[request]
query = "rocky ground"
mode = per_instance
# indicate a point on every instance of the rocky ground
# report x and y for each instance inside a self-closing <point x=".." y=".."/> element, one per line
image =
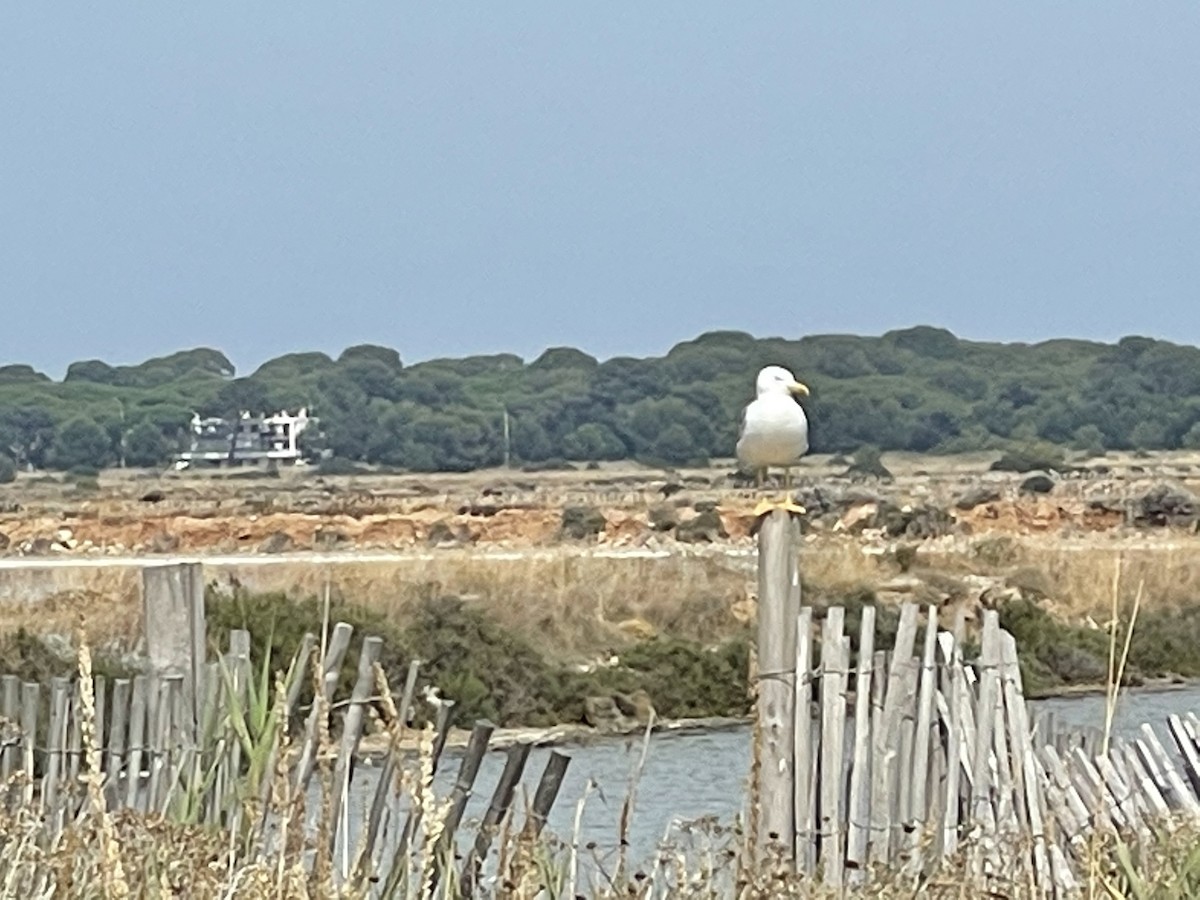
<point x="139" y="513"/>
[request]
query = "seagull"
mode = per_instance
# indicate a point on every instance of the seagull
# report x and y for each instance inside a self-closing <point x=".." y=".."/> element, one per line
<point x="774" y="432"/>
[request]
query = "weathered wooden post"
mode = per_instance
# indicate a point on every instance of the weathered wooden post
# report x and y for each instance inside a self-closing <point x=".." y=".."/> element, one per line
<point x="778" y="613"/>
<point x="173" y="613"/>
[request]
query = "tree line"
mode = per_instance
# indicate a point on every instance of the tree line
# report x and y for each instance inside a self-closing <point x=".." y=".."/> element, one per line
<point x="917" y="389"/>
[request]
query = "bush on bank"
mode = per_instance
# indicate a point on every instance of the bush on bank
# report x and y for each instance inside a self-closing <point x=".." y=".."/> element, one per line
<point x="487" y="670"/>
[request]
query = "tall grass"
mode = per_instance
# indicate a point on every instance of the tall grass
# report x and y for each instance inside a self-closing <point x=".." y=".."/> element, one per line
<point x="581" y="606"/>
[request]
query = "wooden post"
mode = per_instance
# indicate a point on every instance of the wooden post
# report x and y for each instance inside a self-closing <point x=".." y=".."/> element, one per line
<point x="99" y="695"/>
<point x="137" y="732"/>
<point x="514" y="765"/>
<point x="468" y="770"/>
<point x="919" y="819"/>
<point x="777" y="686"/>
<point x="1184" y="798"/>
<point x="954" y="741"/>
<point x="546" y="793"/>
<point x="805" y="774"/>
<point x="117" y="731"/>
<point x="983" y="819"/>
<point x="74" y="734"/>
<point x="55" y="744"/>
<point x="237" y="662"/>
<point x="368" y="857"/>
<point x="413" y="820"/>
<point x="335" y="652"/>
<point x="352" y="725"/>
<point x="858" y="820"/>
<point x="835" y="657"/>
<point x="173" y="605"/>
<point x="30" y="701"/>
<point x="901" y="805"/>
<point x="535" y="820"/>
<point x="878" y="823"/>
<point x="10" y="709"/>
<point x="886" y="743"/>
<point x="159" y="740"/>
<point x="301" y="663"/>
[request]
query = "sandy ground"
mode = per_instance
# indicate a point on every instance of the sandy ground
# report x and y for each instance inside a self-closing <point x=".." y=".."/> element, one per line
<point x="66" y="547"/>
<point x="134" y="514"/>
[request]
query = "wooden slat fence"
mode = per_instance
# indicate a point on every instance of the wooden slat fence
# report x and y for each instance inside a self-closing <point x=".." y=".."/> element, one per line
<point x="155" y="757"/>
<point x="908" y="757"/>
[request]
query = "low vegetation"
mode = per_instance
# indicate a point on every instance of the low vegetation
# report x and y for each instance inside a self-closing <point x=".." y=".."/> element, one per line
<point x="492" y="672"/>
<point x="918" y="389"/>
<point x="528" y="642"/>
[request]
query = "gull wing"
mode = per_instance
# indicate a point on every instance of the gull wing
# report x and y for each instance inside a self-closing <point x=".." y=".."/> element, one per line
<point x="741" y="435"/>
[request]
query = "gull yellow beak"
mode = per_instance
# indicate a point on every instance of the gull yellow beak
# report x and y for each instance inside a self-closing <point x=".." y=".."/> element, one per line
<point x="797" y="388"/>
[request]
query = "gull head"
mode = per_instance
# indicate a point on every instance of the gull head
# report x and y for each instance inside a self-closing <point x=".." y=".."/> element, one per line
<point x="778" y="380"/>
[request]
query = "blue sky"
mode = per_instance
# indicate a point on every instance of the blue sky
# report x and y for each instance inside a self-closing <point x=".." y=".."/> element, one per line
<point x="453" y="179"/>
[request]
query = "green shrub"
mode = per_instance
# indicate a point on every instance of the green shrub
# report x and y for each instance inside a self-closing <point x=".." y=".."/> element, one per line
<point x="32" y="658"/>
<point x="1053" y="653"/>
<point x="1030" y="458"/>
<point x="1167" y="641"/>
<point x="488" y="671"/>
<point x="995" y="552"/>
<point x="868" y="461"/>
<point x="579" y="522"/>
<point x="906" y="555"/>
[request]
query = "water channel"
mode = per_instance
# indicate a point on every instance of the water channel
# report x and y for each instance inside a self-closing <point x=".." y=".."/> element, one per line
<point x="690" y="776"/>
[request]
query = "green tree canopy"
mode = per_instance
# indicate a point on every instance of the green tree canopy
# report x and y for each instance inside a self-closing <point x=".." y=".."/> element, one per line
<point x="8" y="469"/>
<point x="914" y="389"/>
<point x="81" y="443"/>
<point x="18" y="373"/>
<point x="145" y="445"/>
<point x="371" y="353"/>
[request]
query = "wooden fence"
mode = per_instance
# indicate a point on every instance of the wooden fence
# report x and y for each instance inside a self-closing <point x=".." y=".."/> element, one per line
<point x="917" y="755"/>
<point x="156" y="756"/>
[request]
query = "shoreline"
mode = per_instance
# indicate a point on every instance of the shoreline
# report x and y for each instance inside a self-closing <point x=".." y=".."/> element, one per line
<point x="374" y="747"/>
<point x="1148" y="686"/>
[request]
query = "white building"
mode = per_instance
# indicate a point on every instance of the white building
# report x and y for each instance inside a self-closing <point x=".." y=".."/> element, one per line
<point x="250" y="440"/>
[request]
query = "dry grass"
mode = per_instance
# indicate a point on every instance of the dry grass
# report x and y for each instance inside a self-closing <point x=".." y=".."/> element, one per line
<point x="572" y="605"/>
<point x="49" y="601"/>
<point x="578" y="605"/>
<point x="1076" y="577"/>
<point x="837" y="564"/>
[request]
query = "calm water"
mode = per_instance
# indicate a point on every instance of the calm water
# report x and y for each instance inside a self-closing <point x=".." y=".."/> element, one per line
<point x="685" y="778"/>
<point x="1133" y="708"/>
<point x="690" y="776"/>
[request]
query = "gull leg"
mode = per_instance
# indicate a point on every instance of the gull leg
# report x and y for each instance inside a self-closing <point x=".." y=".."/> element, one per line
<point x="764" y="505"/>
<point x="788" y="503"/>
